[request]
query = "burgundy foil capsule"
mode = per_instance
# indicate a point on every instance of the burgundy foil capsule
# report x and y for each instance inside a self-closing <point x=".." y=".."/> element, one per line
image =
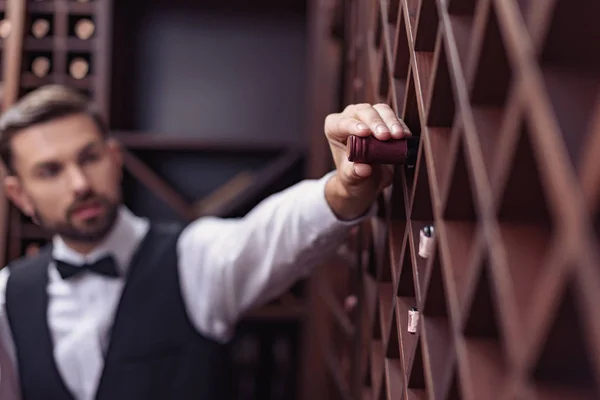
<point x="370" y="150"/>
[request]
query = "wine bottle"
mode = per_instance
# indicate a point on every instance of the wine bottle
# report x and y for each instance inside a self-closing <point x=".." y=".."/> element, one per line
<point x="370" y="150"/>
<point x="79" y="67"/>
<point x="40" y="66"/>
<point x="5" y="28"/>
<point x="84" y="28"/>
<point x="40" y="28"/>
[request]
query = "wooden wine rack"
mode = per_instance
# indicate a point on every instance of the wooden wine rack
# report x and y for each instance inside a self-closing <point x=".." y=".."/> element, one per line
<point x="5" y="28"/>
<point x="504" y="95"/>
<point x="56" y="36"/>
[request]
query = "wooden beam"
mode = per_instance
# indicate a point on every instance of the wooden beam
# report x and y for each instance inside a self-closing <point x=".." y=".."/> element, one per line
<point x="12" y="59"/>
<point x="13" y="51"/>
<point x="157" y="185"/>
<point x="215" y="202"/>
<point x="168" y="142"/>
<point x="324" y="60"/>
<point x="263" y="180"/>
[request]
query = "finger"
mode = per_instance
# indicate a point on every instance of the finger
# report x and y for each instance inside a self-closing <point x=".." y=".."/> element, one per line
<point x="363" y="170"/>
<point x="387" y="176"/>
<point x="394" y="124"/>
<point x="340" y="126"/>
<point x="354" y="173"/>
<point x="357" y="173"/>
<point x="371" y="117"/>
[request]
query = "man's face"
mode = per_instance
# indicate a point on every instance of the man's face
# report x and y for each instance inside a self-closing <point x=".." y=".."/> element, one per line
<point x="67" y="177"/>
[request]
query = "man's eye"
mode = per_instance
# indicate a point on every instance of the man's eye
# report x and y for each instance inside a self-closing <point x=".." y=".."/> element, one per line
<point x="90" y="158"/>
<point x="49" y="171"/>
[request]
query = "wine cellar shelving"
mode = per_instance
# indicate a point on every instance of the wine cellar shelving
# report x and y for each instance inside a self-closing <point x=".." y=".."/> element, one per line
<point x="5" y="29"/>
<point x="67" y="42"/>
<point x="504" y="95"/>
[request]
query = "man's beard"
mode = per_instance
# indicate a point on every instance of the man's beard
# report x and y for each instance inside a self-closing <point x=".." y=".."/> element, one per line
<point x="93" y="229"/>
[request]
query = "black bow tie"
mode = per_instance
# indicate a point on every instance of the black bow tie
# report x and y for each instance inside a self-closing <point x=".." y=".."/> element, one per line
<point x="104" y="266"/>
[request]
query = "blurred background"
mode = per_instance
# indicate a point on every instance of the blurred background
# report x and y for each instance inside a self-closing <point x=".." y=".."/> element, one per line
<point x="210" y="100"/>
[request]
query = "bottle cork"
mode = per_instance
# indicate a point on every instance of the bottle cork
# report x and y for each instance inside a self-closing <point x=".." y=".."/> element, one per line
<point x="370" y="150"/>
<point x="426" y="241"/>
<point x="5" y="28"/>
<point x="79" y="68"/>
<point x="84" y="28"/>
<point x="413" y="320"/>
<point x="40" y="28"/>
<point x="40" y="66"/>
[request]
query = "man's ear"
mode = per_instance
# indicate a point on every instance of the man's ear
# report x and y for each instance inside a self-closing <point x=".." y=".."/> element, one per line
<point x="14" y="191"/>
<point x="116" y="153"/>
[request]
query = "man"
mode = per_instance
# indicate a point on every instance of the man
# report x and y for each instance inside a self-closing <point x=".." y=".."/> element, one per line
<point x="118" y="308"/>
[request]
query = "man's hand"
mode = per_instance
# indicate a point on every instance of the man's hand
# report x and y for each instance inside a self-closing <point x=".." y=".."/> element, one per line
<point x="355" y="187"/>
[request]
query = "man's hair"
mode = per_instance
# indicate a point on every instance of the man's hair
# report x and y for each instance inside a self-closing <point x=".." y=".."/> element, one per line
<point x="44" y="104"/>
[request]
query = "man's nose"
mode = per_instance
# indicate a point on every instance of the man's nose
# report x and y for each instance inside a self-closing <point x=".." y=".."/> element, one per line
<point x="79" y="181"/>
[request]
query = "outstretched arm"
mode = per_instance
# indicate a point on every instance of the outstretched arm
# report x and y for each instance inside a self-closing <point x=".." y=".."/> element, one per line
<point x="229" y="266"/>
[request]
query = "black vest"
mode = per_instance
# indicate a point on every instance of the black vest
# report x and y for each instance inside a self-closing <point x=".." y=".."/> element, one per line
<point x="154" y="351"/>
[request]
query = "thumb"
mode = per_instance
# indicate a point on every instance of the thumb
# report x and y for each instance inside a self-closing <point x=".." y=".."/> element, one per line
<point x="361" y="179"/>
<point x="355" y="174"/>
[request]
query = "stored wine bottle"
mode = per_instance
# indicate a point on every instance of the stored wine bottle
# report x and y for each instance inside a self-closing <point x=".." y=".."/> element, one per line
<point x="79" y="67"/>
<point x="426" y="241"/>
<point x="40" y="28"/>
<point x="40" y="66"/>
<point x="5" y="28"/>
<point x="370" y="150"/>
<point x="84" y="28"/>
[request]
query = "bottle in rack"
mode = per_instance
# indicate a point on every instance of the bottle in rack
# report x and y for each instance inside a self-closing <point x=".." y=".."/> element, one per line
<point x="84" y="28"/>
<point x="79" y="67"/>
<point x="5" y="28"/>
<point x="370" y="150"/>
<point x="40" y="66"/>
<point x="40" y="28"/>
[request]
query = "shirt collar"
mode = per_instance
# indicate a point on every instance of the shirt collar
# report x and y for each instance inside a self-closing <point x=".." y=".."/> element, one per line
<point x="121" y="242"/>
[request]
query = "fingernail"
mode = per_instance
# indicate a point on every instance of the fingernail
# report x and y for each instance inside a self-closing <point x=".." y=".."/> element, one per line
<point x="382" y="129"/>
<point x="362" y="127"/>
<point x="397" y="129"/>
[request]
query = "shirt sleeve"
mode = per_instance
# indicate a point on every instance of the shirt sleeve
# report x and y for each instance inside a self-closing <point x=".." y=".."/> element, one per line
<point x="228" y="266"/>
<point x="9" y="381"/>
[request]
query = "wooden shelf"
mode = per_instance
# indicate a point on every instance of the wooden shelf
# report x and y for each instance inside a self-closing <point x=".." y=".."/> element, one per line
<point x="503" y="94"/>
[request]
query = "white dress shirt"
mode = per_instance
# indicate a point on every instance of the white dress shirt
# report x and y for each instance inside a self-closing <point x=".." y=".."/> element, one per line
<point x="226" y="266"/>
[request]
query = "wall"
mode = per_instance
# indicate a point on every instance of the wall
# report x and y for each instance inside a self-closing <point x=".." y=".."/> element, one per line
<point x="211" y="73"/>
<point x="208" y="71"/>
